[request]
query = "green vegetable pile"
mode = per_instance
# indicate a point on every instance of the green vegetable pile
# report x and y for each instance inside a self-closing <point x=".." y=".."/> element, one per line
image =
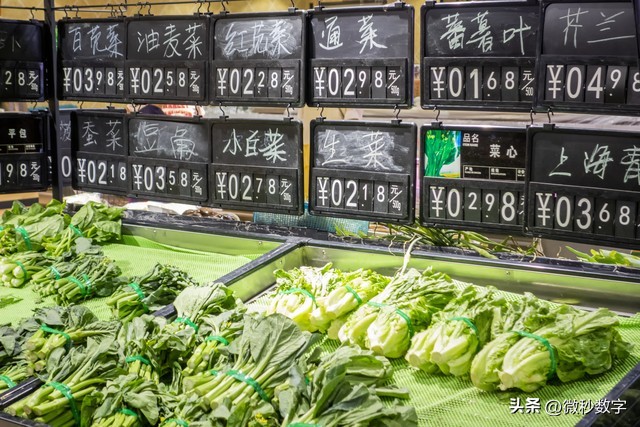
<point x="438" y="326"/>
<point x="213" y="365"/>
<point x="608" y="257"/>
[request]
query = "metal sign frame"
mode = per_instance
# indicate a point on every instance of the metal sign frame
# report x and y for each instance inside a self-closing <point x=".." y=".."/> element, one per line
<point x="496" y="187"/>
<point x="407" y="180"/>
<point x="356" y="102"/>
<point x="558" y="191"/>
<point x="295" y="174"/>
<point x="544" y="60"/>
<point x="499" y="62"/>
<point x="300" y="63"/>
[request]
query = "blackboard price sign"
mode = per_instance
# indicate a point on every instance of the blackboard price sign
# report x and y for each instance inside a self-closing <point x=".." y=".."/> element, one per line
<point x="168" y="157"/>
<point x="167" y="58"/>
<point x="479" y="55"/>
<point x="23" y="153"/>
<point x="473" y="177"/>
<point x="584" y="185"/>
<point x="363" y="170"/>
<point x="64" y="146"/>
<point x="589" y="57"/>
<point x="99" y="151"/>
<point x="22" y="61"/>
<point x="257" y="165"/>
<point x="259" y="59"/>
<point x="92" y="54"/>
<point x="361" y="56"/>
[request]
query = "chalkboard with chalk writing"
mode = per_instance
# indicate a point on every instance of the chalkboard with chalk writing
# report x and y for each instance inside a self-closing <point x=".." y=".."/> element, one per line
<point x="479" y="55"/>
<point x="363" y="170"/>
<point x="257" y="165"/>
<point x="361" y="56"/>
<point x="584" y="185"/>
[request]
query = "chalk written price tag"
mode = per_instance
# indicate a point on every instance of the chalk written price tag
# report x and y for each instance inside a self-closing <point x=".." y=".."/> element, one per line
<point x="589" y="58"/>
<point x="98" y="151"/>
<point x="166" y="58"/>
<point x="22" y="58"/>
<point x="362" y="56"/>
<point x="92" y="56"/>
<point x="479" y="56"/>
<point x="584" y="185"/>
<point x="257" y="165"/>
<point x="363" y="170"/>
<point x="258" y="59"/>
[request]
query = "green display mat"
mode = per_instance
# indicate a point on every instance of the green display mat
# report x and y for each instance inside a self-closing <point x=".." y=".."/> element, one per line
<point x="135" y="256"/>
<point x="442" y="400"/>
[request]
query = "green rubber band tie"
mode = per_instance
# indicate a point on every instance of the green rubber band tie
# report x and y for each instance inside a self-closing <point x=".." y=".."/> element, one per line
<point x="23" y="268"/>
<point x="304" y="292"/>
<point x="547" y="344"/>
<point x="187" y="322"/>
<point x="214" y="372"/>
<point x="354" y="293"/>
<point x="139" y="358"/>
<point x="76" y="230"/>
<point x="5" y="379"/>
<point x="221" y="340"/>
<point x="66" y="336"/>
<point x="25" y="237"/>
<point x="66" y="392"/>
<point x="468" y="322"/>
<point x="138" y="291"/>
<point x="79" y="284"/>
<point x="182" y="423"/>
<point x="56" y="273"/>
<point x="399" y="312"/>
<point x="87" y="282"/>
<point x="1" y="227"/>
<point x="128" y="412"/>
<point x="249" y="381"/>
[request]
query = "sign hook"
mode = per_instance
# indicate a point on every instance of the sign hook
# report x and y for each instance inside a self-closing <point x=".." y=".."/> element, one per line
<point x="223" y="116"/>
<point x="531" y="114"/>
<point x="32" y="14"/>
<point x="437" y="111"/>
<point x="199" y="6"/>
<point x="549" y="114"/>
<point x="396" y="111"/>
<point x="77" y="12"/>
<point x="66" y="13"/>
<point x="288" y="111"/>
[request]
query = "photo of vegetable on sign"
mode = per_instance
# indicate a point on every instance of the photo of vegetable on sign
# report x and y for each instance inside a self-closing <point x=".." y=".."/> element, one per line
<point x="473" y="176"/>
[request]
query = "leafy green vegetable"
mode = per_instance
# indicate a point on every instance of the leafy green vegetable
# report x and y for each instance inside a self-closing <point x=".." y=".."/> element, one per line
<point x="260" y="360"/>
<point x="441" y="148"/>
<point x="94" y="276"/>
<point x="134" y="338"/>
<point x="19" y="268"/>
<point x="150" y="292"/>
<point x="387" y="323"/>
<point x="527" y="314"/>
<point x="582" y="343"/>
<point x="608" y="257"/>
<point x="13" y="374"/>
<point x="6" y="301"/>
<point x="456" y="334"/>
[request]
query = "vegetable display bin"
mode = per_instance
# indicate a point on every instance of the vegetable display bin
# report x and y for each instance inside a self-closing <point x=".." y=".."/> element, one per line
<point x="445" y="400"/>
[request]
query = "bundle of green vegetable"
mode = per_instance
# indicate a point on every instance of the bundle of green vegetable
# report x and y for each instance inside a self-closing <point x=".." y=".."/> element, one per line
<point x="17" y="269"/>
<point x="259" y="361"/>
<point x="13" y="339"/>
<point x="44" y="281"/>
<point x="574" y="345"/>
<point x="387" y="323"/>
<point x="12" y="374"/>
<point x="63" y="328"/>
<point x="608" y="257"/>
<point x="27" y="229"/>
<point x="342" y="389"/>
<point x="150" y="292"/>
<point x="92" y="221"/>
<point x="298" y="291"/>
<point x="176" y="339"/>
<point x="134" y="338"/>
<point x="456" y="333"/>
<point x="216" y="333"/>
<point x="71" y="376"/>
<point x="527" y="314"/>
<point x="94" y="276"/>
<point x="126" y="401"/>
